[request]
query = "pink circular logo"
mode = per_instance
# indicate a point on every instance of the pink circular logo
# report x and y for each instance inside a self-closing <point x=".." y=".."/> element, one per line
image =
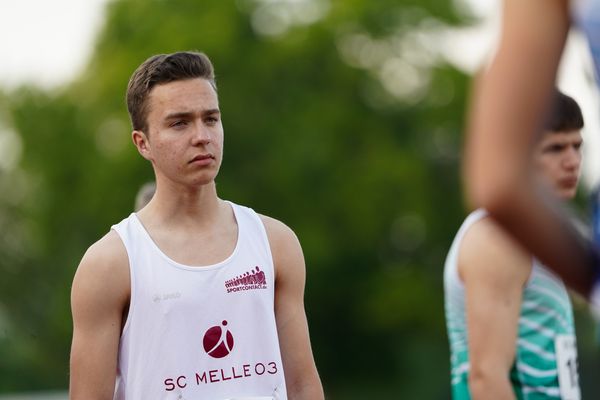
<point x="218" y="342"/>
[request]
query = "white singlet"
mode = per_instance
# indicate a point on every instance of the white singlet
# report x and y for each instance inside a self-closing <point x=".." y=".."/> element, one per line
<point x="200" y="332"/>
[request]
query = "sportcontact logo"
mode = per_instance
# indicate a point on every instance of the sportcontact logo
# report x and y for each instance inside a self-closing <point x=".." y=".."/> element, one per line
<point x="250" y="280"/>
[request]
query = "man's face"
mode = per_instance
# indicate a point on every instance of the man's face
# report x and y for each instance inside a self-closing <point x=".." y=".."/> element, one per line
<point x="185" y="136"/>
<point x="557" y="159"/>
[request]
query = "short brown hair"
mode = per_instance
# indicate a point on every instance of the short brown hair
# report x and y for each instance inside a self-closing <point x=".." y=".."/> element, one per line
<point x="564" y="114"/>
<point x="159" y="69"/>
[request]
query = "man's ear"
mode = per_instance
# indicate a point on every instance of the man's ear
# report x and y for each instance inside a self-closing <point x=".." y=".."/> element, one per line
<point x="141" y="142"/>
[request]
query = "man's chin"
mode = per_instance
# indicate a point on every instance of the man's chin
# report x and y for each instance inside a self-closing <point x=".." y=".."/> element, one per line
<point x="566" y="194"/>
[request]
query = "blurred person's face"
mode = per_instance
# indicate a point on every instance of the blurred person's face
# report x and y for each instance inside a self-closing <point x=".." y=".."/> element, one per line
<point x="557" y="159"/>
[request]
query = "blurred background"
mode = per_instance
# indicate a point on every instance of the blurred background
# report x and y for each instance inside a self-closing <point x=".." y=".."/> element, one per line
<point x="344" y="119"/>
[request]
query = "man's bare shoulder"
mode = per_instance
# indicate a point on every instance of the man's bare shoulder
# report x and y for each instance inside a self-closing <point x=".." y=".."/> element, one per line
<point x="486" y="236"/>
<point x="104" y="262"/>
<point x="281" y="237"/>
<point x="277" y="229"/>
<point x="285" y="246"/>
<point x="488" y="249"/>
<point x="106" y="252"/>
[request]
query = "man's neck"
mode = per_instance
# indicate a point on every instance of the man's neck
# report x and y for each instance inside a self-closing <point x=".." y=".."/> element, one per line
<point x="179" y="205"/>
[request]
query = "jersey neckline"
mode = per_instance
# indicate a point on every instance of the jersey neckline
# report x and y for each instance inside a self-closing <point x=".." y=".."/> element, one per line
<point x="209" y="267"/>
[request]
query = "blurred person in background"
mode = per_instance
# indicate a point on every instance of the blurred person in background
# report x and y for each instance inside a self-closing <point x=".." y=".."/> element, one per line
<point x="510" y="100"/>
<point x="509" y="319"/>
<point x="144" y="195"/>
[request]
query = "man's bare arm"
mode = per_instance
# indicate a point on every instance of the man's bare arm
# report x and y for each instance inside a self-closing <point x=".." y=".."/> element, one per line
<point x="509" y="104"/>
<point x="494" y="270"/>
<point x="99" y="297"/>
<point x="301" y="377"/>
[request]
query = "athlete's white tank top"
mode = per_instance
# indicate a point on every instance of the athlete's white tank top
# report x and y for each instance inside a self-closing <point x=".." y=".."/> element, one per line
<point x="200" y="332"/>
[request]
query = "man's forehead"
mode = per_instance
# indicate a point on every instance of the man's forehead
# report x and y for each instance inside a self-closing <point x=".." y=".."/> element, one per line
<point x="190" y="95"/>
<point x="562" y="136"/>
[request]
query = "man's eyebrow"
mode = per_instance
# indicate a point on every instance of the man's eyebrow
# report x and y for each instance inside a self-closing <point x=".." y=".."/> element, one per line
<point x="191" y="114"/>
<point x="211" y="111"/>
<point x="177" y="115"/>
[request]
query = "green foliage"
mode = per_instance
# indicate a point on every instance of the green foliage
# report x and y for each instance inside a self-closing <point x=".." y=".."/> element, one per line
<point x="321" y="133"/>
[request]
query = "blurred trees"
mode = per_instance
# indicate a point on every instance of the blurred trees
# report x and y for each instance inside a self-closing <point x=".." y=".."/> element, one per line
<point x="341" y="118"/>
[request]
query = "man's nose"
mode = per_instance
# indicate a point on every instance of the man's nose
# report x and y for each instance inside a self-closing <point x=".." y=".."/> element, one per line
<point x="201" y="134"/>
<point x="572" y="159"/>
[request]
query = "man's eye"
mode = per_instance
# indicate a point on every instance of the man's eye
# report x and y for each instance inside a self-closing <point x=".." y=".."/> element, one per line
<point x="178" y="124"/>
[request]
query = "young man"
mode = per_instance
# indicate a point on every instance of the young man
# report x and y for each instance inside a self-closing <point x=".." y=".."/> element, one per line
<point x="509" y="319"/>
<point x="509" y="101"/>
<point x="165" y="304"/>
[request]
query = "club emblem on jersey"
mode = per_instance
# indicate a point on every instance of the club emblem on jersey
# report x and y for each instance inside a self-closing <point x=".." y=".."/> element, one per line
<point x="218" y="341"/>
<point x="250" y="280"/>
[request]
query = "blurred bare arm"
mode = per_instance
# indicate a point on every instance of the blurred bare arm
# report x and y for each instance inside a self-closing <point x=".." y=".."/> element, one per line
<point x="494" y="270"/>
<point x="509" y="103"/>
